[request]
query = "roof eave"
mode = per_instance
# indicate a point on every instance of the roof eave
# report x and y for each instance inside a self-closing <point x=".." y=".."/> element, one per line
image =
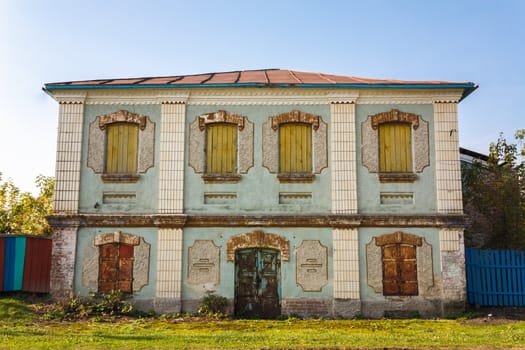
<point x="468" y="88"/>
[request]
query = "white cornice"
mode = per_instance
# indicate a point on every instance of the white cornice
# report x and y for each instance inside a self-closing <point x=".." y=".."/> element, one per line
<point x="257" y="96"/>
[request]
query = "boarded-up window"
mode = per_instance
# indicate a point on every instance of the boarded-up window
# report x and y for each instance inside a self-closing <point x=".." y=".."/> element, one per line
<point x="221" y="148"/>
<point x="121" y="148"/>
<point x="295" y="148"/>
<point x="399" y="269"/>
<point x="395" y="148"/>
<point x="115" y="268"/>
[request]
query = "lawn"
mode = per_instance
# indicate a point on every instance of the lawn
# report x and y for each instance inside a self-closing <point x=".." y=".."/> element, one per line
<point x="21" y="327"/>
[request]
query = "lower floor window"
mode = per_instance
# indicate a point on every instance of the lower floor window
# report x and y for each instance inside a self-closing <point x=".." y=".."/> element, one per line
<point x="115" y="268"/>
<point x="399" y="269"/>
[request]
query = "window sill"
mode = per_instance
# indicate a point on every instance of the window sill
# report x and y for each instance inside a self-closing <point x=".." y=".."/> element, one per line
<point x="219" y="178"/>
<point x="296" y="177"/>
<point x="397" y="177"/>
<point x="120" y="178"/>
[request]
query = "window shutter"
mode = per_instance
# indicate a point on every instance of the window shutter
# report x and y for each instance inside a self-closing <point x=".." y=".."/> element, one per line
<point x="399" y="270"/>
<point x="395" y="148"/>
<point x="122" y="148"/>
<point x="221" y="148"/>
<point x="295" y="148"/>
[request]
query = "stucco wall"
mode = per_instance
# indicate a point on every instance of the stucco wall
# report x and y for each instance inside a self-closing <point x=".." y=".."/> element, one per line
<point x="142" y="196"/>
<point x="423" y="190"/>
<point x="258" y="190"/>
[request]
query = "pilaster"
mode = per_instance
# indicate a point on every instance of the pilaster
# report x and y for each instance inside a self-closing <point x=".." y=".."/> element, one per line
<point x="169" y="270"/>
<point x="63" y="260"/>
<point x="344" y="172"/>
<point x="171" y="164"/>
<point x="452" y="249"/>
<point x="448" y="171"/>
<point x="68" y="159"/>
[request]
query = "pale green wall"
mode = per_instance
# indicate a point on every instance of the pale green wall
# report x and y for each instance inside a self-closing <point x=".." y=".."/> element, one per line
<point x="368" y="185"/>
<point x="226" y="287"/>
<point x="91" y="185"/>
<point x="258" y="190"/>
<point x="431" y="236"/>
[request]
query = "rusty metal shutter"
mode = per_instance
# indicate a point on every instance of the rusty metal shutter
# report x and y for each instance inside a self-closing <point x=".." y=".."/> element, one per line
<point x="399" y="269"/>
<point x="115" y="268"/>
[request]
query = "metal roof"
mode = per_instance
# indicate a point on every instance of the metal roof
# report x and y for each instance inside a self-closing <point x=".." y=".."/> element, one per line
<point x="260" y="78"/>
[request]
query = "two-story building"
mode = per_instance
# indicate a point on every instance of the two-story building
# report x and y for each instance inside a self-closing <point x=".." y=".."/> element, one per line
<point x="286" y="192"/>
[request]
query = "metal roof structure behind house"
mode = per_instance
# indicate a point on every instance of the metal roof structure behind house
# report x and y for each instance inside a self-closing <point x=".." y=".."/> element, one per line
<point x="260" y="78"/>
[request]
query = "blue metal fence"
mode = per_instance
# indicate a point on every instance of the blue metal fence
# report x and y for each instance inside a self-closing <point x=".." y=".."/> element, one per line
<point x="495" y="277"/>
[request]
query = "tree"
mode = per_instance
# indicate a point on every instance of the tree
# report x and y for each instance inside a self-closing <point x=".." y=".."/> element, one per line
<point x="494" y="196"/>
<point x="20" y="212"/>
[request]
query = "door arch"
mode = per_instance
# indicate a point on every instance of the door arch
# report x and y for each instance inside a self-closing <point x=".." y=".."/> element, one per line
<point x="257" y="283"/>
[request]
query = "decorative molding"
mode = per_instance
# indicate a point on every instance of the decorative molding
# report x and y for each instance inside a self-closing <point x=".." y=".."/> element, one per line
<point x="396" y="198"/>
<point x="257" y="96"/>
<point x="397" y="177"/>
<point x="256" y="220"/>
<point x="220" y="198"/>
<point x="399" y="237"/>
<point x="257" y="239"/>
<point x="395" y="115"/>
<point x="117" y="237"/>
<point x="122" y="116"/>
<point x="221" y="116"/>
<point x="295" y="116"/>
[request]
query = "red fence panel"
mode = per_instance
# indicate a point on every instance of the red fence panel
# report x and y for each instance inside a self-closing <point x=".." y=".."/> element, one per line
<point x="37" y="265"/>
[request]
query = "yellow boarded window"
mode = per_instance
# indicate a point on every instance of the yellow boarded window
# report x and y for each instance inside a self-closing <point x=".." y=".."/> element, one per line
<point x="121" y="148"/>
<point x="395" y="148"/>
<point x="221" y="148"/>
<point x="295" y="148"/>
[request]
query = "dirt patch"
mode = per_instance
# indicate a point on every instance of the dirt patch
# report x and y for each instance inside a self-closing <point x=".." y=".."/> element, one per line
<point x="495" y="314"/>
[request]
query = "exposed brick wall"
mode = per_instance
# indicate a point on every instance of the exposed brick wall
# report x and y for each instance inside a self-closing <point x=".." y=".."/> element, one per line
<point x="63" y="261"/>
<point x="307" y="307"/>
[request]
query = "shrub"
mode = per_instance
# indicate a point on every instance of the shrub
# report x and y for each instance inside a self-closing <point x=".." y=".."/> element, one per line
<point x="213" y="305"/>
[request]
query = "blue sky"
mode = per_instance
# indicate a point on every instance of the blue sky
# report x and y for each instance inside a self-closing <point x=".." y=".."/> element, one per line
<point x="51" y="41"/>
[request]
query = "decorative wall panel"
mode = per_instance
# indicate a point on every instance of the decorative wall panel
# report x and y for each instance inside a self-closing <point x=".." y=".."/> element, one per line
<point x="204" y="262"/>
<point x="312" y="266"/>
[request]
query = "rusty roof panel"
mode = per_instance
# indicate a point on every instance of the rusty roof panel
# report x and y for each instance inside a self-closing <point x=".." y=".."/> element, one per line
<point x="224" y="78"/>
<point x="253" y="76"/>
<point x="280" y="76"/>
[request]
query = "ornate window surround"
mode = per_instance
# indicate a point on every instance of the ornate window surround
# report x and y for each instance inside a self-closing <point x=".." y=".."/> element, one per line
<point x="257" y="239"/>
<point x="196" y="152"/>
<point x="420" y="144"/>
<point x="374" y="264"/>
<point x="97" y="144"/>
<point x="271" y="144"/>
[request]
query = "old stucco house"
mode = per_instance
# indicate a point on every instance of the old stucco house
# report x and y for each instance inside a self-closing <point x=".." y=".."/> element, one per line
<point x="284" y="191"/>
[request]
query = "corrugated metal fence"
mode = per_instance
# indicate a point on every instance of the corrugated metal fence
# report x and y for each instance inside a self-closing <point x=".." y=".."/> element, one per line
<point x="25" y="263"/>
<point x="495" y="277"/>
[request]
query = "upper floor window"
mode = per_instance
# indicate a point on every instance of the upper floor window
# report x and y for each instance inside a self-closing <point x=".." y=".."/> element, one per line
<point x="121" y="148"/>
<point x="395" y="145"/>
<point x="295" y="148"/>
<point x="221" y="148"/>
<point x="395" y="148"/>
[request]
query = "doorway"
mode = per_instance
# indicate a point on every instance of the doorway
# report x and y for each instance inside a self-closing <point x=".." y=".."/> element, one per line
<point x="257" y="283"/>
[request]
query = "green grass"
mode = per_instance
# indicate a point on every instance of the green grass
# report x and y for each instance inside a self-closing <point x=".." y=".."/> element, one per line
<point x="22" y="328"/>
